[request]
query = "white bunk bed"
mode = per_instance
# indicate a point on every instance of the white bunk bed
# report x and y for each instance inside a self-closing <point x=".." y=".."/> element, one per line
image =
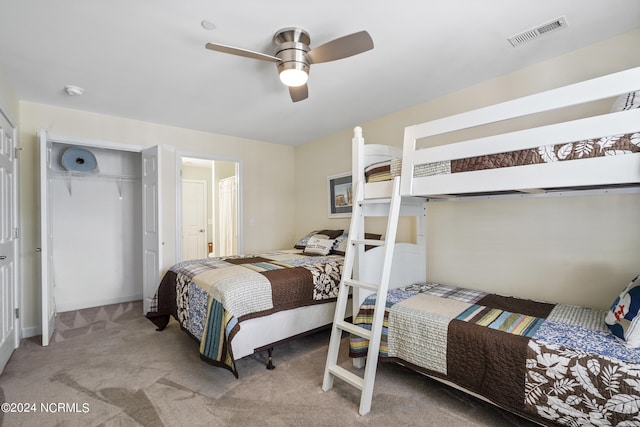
<point x="602" y="174"/>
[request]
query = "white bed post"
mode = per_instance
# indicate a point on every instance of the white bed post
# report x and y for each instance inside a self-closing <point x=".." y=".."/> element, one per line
<point x="406" y="174"/>
<point x="421" y="242"/>
<point x="357" y="180"/>
<point x="357" y="160"/>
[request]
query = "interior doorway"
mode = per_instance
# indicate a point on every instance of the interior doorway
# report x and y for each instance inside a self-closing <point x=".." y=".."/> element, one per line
<point x="194" y="219"/>
<point x="209" y="207"/>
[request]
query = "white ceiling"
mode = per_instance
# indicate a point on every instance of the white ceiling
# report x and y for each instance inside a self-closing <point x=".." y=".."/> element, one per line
<point x="145" y="59"/>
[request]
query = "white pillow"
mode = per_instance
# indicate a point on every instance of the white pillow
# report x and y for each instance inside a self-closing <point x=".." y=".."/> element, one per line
<point x="318" y="245"/>
<point x="627" y="101"/>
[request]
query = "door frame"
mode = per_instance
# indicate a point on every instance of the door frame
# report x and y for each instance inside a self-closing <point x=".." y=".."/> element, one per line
<point x="44" y="249"/>
<point x="180" y="155"/>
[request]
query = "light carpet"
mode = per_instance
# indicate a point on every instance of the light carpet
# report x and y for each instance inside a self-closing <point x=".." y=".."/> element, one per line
<point x="108" y="366"/>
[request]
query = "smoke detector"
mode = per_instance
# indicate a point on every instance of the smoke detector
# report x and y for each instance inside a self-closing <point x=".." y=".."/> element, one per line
<point x="73" y="90"/>
<point x="539" y="31"/>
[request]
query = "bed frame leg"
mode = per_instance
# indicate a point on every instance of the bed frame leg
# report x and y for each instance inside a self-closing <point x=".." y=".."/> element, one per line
<point x="270" y="361"/>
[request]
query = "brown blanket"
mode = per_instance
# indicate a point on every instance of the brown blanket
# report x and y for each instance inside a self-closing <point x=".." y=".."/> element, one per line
<point x="607" y="146"/>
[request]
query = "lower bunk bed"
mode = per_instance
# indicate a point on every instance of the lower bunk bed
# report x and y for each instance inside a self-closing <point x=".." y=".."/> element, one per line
<point x="238" y="305"/>
<point x="554" y="364"/>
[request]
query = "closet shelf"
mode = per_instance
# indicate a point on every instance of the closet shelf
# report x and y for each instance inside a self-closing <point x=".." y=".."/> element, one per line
<point x="93" y="175"/>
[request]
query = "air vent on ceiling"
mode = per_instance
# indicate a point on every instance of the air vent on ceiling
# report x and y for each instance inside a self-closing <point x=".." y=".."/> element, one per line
<point x="541" y="30"/>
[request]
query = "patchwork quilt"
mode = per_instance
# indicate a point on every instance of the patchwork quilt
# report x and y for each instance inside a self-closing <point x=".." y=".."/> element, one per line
<point x="553" y="363"/>
<point x="614" y="145"/>
<point x="211" y="297"/>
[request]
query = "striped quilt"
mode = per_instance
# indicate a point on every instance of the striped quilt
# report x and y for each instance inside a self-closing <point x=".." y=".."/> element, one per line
<point x="556" y="364"/>
<point x="211" y="297"/>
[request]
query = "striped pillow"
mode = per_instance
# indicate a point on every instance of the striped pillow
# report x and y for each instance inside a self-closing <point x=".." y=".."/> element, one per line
<point x="625" y="102"/>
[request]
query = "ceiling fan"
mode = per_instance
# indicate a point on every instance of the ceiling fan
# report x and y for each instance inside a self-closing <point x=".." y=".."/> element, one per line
<point x="293" y="56"/>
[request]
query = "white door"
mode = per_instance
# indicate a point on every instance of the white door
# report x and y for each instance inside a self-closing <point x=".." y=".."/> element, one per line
<point x="228" y="212"/>
<point x="151" y="243"/>
<point x="194" y="219"/>
<point x="48" y="306"/>
<point x="9" y="331"/>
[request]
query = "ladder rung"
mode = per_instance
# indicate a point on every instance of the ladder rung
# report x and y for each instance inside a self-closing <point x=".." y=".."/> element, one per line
<point x="347" y="376"/>
<point x="354" y="329"/>
<point x="371" y="242"/>
<point x="358" y="284"/>
<point x="375" y="201"/>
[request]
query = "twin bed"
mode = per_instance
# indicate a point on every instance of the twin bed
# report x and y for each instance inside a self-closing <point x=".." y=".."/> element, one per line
<point x="552" y="363"/>
<point x="238" y="305"/>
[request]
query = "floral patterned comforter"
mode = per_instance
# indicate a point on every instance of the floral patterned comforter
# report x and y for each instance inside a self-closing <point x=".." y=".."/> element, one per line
<point x="211" y="297"/>
<point x="553" y="363"/>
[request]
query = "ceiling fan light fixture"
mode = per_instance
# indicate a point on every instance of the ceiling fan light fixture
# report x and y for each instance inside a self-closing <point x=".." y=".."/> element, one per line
<point x="293" y="77"/>
<point x="293" y="67"/>
<point x="293" y="56"/>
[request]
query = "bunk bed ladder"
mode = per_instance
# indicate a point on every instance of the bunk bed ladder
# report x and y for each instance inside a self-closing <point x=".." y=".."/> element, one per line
<point x="356" y="244"/>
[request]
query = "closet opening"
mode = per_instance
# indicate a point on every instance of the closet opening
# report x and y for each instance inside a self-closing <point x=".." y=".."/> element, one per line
<point x="95" y="219"/>
<point x="99" y="225"/>
<point x="209" y="207"/>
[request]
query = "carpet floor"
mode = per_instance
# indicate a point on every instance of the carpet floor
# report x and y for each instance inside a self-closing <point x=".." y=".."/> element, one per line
<point x="108" y="366"/>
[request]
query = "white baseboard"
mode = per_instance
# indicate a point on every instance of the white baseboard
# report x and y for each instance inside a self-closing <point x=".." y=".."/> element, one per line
<point x="31" y="331"/>
<point x="62" y="308"/>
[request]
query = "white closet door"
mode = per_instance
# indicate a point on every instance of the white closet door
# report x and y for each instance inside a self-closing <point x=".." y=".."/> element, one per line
<point x="46" y="262"/>
<point x="9" y="334"/>
<point x="151" y="242"/>
<point x="228" y="213"/>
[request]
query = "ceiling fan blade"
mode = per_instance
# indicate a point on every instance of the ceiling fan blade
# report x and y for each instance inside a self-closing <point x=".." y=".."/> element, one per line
<point x="299" y="93"/>
<point x="241" y="52"/>
<point x="342" y="47"/>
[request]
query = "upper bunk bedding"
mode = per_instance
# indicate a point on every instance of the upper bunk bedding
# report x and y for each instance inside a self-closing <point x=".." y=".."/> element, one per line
<point x="605" y="146"/>
<point x="211" y="297"/>
<point x="614" y="145"/>
<point x="553" y="363"/>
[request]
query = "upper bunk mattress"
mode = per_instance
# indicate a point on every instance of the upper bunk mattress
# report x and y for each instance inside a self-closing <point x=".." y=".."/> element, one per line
<point x="600" y="147"/>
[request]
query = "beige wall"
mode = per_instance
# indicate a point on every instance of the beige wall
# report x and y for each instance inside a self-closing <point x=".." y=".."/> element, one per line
<point x="268" y="192"/>
<point x="8" y="100"/>
<point x="577" y="250"/>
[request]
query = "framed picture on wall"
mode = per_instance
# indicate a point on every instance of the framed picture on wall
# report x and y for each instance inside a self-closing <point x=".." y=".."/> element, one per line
<point x="340" y="194"/>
